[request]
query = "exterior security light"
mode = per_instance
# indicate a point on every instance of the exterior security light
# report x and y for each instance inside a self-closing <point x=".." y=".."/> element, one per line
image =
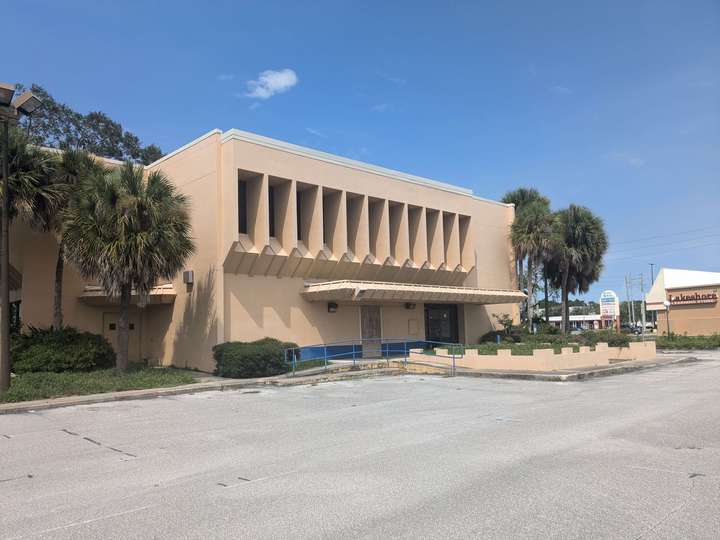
<point x="26" y="103"/>
<point x="6" y="93"/>
<point x="666" y="303"/>
<point x="332" y="307"/>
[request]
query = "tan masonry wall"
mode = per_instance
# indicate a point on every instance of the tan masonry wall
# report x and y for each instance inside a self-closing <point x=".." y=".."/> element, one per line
<point x="691" y="319"/>
<point x="541" y="359"/>
<point x="355" y="222"/>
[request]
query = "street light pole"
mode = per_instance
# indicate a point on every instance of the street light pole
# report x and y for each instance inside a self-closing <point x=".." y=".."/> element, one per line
<point x="10" y="110"/>
<point x="5" y="266"/>
<point x="666" y="303"/>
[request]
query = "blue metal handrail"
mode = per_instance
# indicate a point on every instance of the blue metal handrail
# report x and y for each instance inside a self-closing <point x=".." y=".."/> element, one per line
<point x="352" y="349"/>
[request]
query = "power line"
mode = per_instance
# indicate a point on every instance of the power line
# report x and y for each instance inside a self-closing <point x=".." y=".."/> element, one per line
<point x="660" y="253"/>
<point x="666" y="235"/>
<point x="680" y="240"/>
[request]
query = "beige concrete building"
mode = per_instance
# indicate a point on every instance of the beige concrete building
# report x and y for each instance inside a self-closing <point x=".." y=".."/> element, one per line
<point x="302" y="246"/>
<point x="686" y="301"/>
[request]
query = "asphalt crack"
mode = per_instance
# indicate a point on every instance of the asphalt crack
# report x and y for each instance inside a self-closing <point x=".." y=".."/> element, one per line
<point x="3" y="480"/>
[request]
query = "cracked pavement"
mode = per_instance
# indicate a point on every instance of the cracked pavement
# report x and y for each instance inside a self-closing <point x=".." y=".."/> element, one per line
<point x="631" y="456"/>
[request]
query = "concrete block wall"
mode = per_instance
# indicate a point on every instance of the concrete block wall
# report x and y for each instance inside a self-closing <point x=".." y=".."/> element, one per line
<point x="541" y="359"/>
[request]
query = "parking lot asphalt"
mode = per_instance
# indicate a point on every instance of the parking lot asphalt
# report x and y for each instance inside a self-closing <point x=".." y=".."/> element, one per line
<point x="633" y="456"/>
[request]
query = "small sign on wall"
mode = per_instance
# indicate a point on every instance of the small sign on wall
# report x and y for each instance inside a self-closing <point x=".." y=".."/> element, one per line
<point x="691" y="298"/>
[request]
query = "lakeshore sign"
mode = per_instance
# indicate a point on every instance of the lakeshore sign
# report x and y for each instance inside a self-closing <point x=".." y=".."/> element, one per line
<point x="692" y="298"/>
<point x="609" y="305"/>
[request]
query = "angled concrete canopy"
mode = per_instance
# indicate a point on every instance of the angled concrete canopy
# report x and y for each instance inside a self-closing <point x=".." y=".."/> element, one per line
<point x="95" y="295"/>
<point x="378" y="291"/>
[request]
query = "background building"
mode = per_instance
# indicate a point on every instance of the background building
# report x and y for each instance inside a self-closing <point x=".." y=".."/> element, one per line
<point x="688" y="299"/>
<point x="302" y="246"/>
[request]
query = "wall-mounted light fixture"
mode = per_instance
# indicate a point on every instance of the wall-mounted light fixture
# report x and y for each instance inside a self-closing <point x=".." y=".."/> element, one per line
<point x="332" y="307"/>
<point x="409" y="305"/>
<point x="188" y="280"/>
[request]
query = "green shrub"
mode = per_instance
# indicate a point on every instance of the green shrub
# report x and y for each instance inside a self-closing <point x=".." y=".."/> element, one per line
<point x="66" y="349"/>
<point x="491" y="337"/>
<point x="674" y="341"/>
<point x="548" y="328"/>
<point x="242" y="360"/>
<point x="593" y="337"/>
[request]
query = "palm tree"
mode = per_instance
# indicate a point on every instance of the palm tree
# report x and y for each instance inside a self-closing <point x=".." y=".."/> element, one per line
<point x="128" y="231"/>
<point x="72" y="167"/>
<point x="32" y="192"/>
<point x="523" y="198"/>
<point x="577" y="259"/>
<point x="533" y="235"/>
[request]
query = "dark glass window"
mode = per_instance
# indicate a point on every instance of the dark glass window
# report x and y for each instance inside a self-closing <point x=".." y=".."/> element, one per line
<point x="298" y="215"/>
<point x="242" y="207"/>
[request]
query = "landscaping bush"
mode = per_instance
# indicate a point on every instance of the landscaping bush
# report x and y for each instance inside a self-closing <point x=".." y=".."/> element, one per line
<point x="491" y="337"/>
<point x="674" y="341"/>
<point x="262" y="358"/>
<point x="593" y="337"/>
<point x="66" y="349"/>
<point x="549" y="336"/>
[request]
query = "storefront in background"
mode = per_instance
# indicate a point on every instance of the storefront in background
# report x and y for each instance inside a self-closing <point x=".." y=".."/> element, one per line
<point x="685" y="302"/>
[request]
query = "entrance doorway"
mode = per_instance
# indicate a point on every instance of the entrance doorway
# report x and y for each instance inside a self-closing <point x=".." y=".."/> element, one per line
<point x="371" y="331"/>
<point x="441" y="323"/>
<point x="110" y="324"/>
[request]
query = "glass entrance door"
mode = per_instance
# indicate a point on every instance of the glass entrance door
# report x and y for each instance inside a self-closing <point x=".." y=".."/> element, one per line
<point x="441" y="323"/>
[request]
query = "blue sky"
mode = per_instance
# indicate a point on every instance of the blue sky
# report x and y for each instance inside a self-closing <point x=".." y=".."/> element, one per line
<point x="613" y="105"/>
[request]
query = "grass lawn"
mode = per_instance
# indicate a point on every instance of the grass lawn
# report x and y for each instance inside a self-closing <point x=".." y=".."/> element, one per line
<point x="320" y="362"/>
<point x="675" y="341"/>
<point x="43" y="385"/>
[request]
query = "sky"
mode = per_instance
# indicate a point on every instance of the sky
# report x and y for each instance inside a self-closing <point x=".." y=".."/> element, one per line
<point x="613" y="105"/>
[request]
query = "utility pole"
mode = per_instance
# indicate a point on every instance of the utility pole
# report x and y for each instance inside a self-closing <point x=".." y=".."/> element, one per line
<point x="652" y="281"/>
<point x="632" y="300"/>
<point x="627" y="300"/>
<point x="642" y="300"/>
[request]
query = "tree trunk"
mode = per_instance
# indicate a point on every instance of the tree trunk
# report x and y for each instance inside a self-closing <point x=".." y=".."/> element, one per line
<point x="530" y="289"/>
<point x="547" y="312"/>
<point x="57" y="300"/>
<point x="123" y="342"/>
<point x="565" y="301"/>
<point x="520" y="284"/>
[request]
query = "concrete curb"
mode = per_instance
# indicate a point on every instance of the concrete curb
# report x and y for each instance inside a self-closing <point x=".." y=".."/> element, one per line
<point x="230" y="384"/>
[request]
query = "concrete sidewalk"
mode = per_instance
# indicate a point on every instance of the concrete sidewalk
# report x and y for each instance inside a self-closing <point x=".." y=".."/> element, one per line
<point x="312" y="377"/>
<point x="339" y="372"/>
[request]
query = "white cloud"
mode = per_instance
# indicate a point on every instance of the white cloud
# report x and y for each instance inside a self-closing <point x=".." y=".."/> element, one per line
<point x="380" y="107"/>
<point x="271" y="82"/>
<point x="397" y="80"/>
<point x="558" y="89"/>
<point x="316" y="132"/>
<point x="633" y="161"/>
<point x="225" y="77"/>
<point x="254" y="105"/>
